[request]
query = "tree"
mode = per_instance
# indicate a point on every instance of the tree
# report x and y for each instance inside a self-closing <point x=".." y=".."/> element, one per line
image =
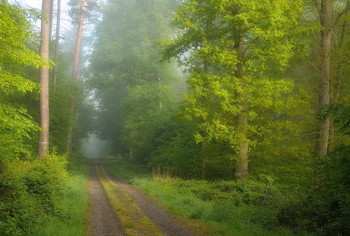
<point x="57" y="40"/>
<point x="44" y="80"/>
<point x="16" y="125"/>
<point x="243" y="43"/>
<point x="329" y="20"/>
<point x="326" y="19"/>
<point x="128" y="79"/>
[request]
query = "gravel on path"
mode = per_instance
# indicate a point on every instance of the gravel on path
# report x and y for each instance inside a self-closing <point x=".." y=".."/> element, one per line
<point x="103" y="221"/>
<point x="160" y="217"/>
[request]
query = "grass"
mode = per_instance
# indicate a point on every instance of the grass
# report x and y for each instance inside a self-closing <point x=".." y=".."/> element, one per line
<point x="130" y="215"/>
<point x="229" y="208"/>
<point x="70" y="220"/>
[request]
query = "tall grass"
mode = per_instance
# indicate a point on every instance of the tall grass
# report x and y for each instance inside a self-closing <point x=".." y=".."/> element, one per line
<point x="70" y="219"/>
<point x="229" y="208"/>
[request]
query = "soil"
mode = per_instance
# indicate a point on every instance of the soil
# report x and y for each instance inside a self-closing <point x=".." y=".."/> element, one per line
<point x="103" y="221"/>
<point x="159" y="216"/>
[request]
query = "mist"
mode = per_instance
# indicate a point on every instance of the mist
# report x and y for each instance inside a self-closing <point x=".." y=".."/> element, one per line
<point x="93" y="148"/>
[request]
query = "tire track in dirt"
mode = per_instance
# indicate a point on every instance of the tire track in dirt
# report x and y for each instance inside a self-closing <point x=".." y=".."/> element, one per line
<point x="158" y="216"/>
<point x="102" y="219"/>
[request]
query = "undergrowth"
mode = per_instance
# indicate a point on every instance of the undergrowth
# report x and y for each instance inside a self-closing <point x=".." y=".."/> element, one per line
<point x="230" y="208"/>
<point x="70" y="217"/>
<point x="40" y="197"/>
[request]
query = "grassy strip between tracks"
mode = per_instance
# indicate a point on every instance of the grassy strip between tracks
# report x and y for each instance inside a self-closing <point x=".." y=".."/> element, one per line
<point x="131" y="216"/>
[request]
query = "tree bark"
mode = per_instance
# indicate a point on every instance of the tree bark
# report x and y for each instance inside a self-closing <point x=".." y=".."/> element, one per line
<point x="241" y="167"/>
<point x="75" y="71"/>
<point x="78" y="40"/>
<point x="51" y="17"/>
<point x="57" y="40"/>
<point x="44" y="80"/>
<point x="326" y="18"/>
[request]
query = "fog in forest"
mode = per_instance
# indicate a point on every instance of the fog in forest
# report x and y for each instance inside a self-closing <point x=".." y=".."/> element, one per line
<point x="238" y="110"/>
<point x="93" y="148"/>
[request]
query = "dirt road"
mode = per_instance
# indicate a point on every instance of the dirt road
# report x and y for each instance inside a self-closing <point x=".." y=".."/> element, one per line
<point x="104" y="220"/>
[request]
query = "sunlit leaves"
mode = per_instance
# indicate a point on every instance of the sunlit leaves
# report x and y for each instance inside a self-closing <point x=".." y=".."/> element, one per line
<point x="208" y="36"/>
<point x="16" y="126"/>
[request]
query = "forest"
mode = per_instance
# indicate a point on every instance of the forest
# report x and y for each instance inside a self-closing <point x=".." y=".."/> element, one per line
<point x="233" y="116"/>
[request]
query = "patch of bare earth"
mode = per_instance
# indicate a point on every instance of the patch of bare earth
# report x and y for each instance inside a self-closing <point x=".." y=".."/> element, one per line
<point x="103" y="220"/>
<point x="167" y="224"/>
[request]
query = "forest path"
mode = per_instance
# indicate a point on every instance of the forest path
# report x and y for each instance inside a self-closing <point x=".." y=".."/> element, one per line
<point x="102" y="219"/>
<point x="165" y="224"/>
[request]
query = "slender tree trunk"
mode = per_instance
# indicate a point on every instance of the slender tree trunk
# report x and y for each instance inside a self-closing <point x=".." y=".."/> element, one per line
<point x="51" y="17"/>
<point x="241" y="167"/>
<point x="57" y="40"/>
<point x="326" y="18"/>
<point x="159" y="98"/>
<point x="44" y="80"/>
<point x="75" y="72"/>
<point x="78" y="40"/>
<point x="203" y="164"/>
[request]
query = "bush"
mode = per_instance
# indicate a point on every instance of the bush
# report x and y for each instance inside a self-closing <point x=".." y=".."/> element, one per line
<point x="29" y="191"/>
<point x="326" y="208"/>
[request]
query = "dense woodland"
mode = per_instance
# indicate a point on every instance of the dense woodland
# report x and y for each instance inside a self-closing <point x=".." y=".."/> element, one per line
<point x="251" y="94"/>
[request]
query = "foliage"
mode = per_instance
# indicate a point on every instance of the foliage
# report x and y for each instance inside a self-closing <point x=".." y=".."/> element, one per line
<point x="30" y="190"/>
<point x="230" y="208"/>
<point x="132" y="86"/>
<point x="226" y="85"/>
<point x="70" y="219"/>
<point x="325" y="209"/>
<point x="16" y="125"/>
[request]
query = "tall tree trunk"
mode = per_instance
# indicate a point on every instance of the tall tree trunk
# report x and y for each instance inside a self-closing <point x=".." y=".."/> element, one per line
<point x="51" y="17"/>
<point x="241" y="167"/>
<point x="78" y="40"/>
<point x="326" y="18"/>
<point x="57" y="40"/>
<point x="44" y="80"/>
<point x="75" y="72"/>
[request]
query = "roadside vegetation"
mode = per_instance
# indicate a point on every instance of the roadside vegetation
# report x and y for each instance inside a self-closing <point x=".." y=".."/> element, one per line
<point x="71" y="215"/>
<point x="257" y="206"/>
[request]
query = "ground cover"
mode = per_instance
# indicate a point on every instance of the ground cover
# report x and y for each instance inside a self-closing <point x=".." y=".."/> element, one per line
<point x="228" y="207"/>
<point x="70" y="219"/>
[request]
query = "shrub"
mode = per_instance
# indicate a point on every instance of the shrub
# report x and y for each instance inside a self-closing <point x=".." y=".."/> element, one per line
<point x="325" y="209"/>
<point x="29" y="192"/>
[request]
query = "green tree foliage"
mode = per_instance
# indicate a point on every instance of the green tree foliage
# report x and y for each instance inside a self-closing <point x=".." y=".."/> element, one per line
<point x="325" y="207"/>
<point x="132" y="86"/>
<point x="16" y="125"/>
<point x="234" y="49"/>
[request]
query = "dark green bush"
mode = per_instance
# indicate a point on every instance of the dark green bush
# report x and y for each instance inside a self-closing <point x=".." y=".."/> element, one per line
<point x="29" y="191"/>
<point x="325" y="209"/>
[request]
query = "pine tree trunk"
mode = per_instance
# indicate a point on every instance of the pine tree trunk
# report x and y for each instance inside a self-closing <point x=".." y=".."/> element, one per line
<point x="75" y="72"/>
<point x="78" y="40"/>
<point x="57" y="40"/>
<point x="241" y="167"/>
<point x="326" y="18"/>
<point x="51" y="17"/>
<point x="44" y="80"/>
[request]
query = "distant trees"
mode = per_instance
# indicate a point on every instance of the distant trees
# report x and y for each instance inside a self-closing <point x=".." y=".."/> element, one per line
<point x="250" y="72"/>
<point x="128" y="79"/>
